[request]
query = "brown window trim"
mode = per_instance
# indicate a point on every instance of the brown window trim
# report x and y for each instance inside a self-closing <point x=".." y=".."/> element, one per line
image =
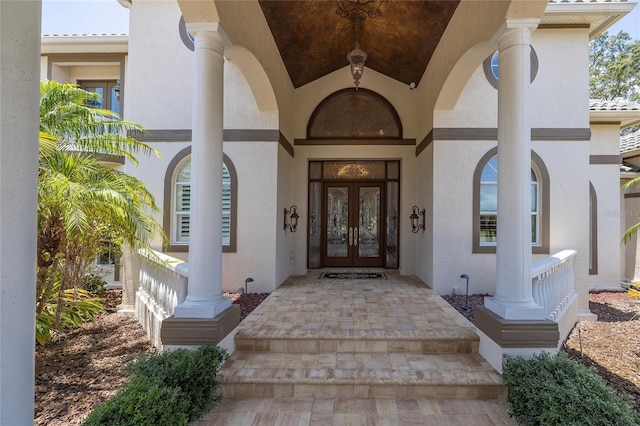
<point x="543" y="184"/>
<point x="168" y="197"/>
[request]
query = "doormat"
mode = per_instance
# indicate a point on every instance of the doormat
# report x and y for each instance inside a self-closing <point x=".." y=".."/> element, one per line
<point x="353" y="276"/>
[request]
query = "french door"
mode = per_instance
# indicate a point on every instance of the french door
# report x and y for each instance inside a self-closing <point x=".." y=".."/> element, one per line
<point x="353" y="224"/>
<point x="353" y="213"/>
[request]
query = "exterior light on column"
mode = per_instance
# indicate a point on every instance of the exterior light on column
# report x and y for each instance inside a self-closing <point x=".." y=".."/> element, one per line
<point x="415" y="219"/>
<point x="293" y="216"/>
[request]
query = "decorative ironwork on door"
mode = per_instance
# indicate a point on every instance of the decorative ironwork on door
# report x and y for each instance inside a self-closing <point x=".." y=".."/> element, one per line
<point x="353" y="213"/>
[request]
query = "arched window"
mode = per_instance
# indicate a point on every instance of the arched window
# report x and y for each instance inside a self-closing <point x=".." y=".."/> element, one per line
<point x="485" y="204"/>
<point x="177" y="203"/>
<point x="354" y="114"/>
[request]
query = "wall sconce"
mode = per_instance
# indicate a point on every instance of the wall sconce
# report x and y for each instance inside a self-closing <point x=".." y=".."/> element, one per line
<point x="415" y="218"/>
<point x="293" y="216"/>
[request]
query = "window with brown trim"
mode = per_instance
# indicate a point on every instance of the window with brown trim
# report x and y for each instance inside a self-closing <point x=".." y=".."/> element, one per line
<point x="177" y="203"/>
<point x="109" y="91"/>
<point x="485" y="204"/>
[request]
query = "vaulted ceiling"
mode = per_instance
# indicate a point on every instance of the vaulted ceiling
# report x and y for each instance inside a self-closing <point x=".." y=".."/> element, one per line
<point x="314" y="40"/>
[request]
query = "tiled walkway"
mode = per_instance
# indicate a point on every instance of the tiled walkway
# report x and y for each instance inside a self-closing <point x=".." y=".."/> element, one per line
<point x="358" y="352"/>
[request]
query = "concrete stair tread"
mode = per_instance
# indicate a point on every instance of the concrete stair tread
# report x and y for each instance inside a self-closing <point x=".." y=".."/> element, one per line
<point x="469" y="344"/>
<point x="451" y="333"/>
<point x="372" y="369"/>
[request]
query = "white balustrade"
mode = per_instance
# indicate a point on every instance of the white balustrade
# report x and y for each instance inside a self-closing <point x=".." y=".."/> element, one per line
<point x="552" y="281"/>
<point x="163" y="285"/>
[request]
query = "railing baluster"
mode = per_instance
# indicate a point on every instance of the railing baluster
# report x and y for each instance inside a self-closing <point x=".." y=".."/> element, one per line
<point x="552" y="282"/>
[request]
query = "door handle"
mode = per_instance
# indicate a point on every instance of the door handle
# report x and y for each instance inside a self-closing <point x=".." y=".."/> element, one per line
<point x="350" y="236"/>
<point x="355" y="236"/>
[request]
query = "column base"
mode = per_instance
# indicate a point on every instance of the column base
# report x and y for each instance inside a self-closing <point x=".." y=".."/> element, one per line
<point x="208" y="308"/>
<point x="199" y="331"/>
<point x="514" y="310"/>
<point x="127" y="310"/>
<point x="587" y="315"/>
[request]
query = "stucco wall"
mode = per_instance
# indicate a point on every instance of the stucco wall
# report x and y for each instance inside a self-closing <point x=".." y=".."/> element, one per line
<point x="94" y="73"/>
<point x="60" y="74"/>
<point x="605" y="140"/>
<point x="44" y="60"/>
<point x="258" y="218"/>
<point x="559" y="92"/>
<point x="284" y="239"/>
<point x="424" y="198"/>
<point x="160" y="67"/>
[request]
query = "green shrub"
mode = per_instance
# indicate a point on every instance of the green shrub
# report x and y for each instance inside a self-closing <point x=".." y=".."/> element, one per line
<point x="144" y="403"/>
<point x="171" y="388"/>
<point x="94" y="282"/>
<point x="556" y="390"/>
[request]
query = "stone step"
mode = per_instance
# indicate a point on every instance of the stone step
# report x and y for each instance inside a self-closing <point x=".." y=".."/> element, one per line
<point x="460" y="344"/>
<point x="360" y="375"/>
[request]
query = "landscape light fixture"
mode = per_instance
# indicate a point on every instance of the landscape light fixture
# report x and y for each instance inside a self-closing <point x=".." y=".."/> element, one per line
<point x="292" y="214"/>
<point x="415" y="219"/>
<point x="247" y="281"/>
<point x="466" y="294"/>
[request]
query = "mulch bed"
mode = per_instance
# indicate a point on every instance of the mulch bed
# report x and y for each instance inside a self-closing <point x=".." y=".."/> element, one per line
<point x="83" y="368"/>
<point x="610" y="346"/>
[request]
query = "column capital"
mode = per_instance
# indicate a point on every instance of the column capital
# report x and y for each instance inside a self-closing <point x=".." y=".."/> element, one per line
<point x="210" y="31"/>
<point x="515" y="32"/>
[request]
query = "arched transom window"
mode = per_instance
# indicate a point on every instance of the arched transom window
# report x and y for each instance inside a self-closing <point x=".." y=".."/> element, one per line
<point x="354" y="114"/>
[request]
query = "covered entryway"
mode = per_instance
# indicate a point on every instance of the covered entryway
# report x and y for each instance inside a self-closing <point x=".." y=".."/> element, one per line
<point x="353" y="213"/>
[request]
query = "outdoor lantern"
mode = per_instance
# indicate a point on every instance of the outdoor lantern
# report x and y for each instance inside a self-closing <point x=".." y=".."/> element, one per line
<point x="292" y="214"/>
<point x="356" y="60"/>
<point x="415" y="219"/>
<point x="357" y="11"/>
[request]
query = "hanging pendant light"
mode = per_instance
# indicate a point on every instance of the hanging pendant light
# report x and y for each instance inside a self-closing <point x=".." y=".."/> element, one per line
<point x="356" y="60"/>
<point x="357" y="11"/>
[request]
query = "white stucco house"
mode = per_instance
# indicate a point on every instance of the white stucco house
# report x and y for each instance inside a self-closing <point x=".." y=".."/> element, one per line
<point x="388" y="173"/>
<point x="254" y="108"/>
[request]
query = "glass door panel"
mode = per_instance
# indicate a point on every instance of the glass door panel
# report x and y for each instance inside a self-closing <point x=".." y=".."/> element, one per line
<point x="352" y="224"/>
<point x="368" y="236"/>
<point x="337" y="222"/>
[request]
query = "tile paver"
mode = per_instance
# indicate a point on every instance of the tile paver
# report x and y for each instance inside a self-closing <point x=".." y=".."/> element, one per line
<point x="358" y="352"/>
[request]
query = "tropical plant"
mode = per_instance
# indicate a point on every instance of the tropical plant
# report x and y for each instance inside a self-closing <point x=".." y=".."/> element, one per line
<point x="82" y="203"/>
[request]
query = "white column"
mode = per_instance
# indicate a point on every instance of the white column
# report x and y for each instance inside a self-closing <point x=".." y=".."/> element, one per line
<point x="513" y="296"/>
<point x="204" y="295"/>
<point x="19" y="76"/>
